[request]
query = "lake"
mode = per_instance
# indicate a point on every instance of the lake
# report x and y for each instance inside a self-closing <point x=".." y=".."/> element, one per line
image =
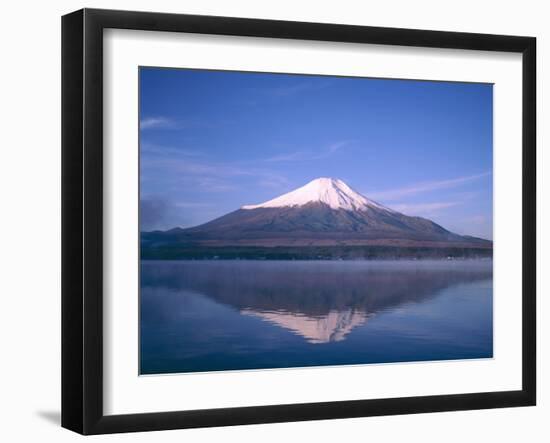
<point x="235" y="315"/>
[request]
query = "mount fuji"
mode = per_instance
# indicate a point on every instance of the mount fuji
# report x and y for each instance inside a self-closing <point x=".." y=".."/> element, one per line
<point x="323" y="219"/>
<point x="330" y="191"/>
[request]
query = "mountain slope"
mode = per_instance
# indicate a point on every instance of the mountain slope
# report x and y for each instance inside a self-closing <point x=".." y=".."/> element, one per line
<point x="324" y="212"/>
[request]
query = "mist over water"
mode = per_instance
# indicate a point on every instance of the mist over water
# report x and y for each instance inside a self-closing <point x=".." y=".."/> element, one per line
<point x="232" y="315"/>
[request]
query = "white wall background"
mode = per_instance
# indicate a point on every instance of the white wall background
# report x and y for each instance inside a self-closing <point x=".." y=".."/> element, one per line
<point x="30" y="218"/>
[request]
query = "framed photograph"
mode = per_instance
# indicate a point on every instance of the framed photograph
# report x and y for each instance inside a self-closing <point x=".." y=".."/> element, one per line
<point x="268" y="221"/>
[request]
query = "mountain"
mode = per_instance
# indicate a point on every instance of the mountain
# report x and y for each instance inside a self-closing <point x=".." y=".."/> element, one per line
<point x="325" y="213"/>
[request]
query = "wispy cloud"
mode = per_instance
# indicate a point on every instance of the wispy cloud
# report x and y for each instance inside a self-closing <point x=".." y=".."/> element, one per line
<point x="398" y="193"/>
<point x="156" y="122"/>
<point x="171" y="123"/>
<point x="479" y="225"/>
<point x="210" y="183"/>
<point x="424" y="209"/>
<point x="333" y="148"/>
<point x="147" y="148"/>
<point x="291" y="156"/>
<point x="209" y="176"/>
<point x="186" y="204"/>
<point x="294" y="88"/>
<point x="478" y="219"/>
<point x="325" y="152"/>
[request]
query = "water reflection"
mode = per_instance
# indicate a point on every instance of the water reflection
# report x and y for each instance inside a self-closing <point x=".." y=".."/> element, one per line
<point x="331" y="327"/>
<point x="321" y="302"/>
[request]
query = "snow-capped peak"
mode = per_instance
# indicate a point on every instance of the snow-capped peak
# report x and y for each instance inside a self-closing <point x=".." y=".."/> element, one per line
<point x="330" y="191"/>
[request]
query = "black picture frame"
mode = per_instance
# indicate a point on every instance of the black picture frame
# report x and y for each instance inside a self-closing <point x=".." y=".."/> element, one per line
<point x="82" y="218"/>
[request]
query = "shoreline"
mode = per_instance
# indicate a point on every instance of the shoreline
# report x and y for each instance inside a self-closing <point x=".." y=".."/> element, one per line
<point x="346" y="253"/>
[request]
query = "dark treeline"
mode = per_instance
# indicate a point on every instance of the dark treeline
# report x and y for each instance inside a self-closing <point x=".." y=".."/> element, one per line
<point x="310" y="253"/>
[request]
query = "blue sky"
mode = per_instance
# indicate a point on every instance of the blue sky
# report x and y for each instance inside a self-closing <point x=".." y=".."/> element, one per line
<point x="212" y="141"/>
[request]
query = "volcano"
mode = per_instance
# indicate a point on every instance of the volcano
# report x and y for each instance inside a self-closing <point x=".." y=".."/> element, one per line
<point x="325" y="213"/>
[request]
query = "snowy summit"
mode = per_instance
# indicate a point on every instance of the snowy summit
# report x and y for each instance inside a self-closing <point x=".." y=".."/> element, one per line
<point x="330" y="191"/>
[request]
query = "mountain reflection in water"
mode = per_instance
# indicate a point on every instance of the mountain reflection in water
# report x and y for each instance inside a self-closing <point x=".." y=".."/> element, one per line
<point x="319" y="301"/>
<point x="333" y="326"/>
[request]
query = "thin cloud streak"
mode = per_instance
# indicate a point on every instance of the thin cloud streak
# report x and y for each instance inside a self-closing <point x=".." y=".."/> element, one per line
<point x="395" y="194"/>
<point x="147" y="148"/>
<point x="328" y="151"/>
<point x="185" y="204"/>
<point x="212" y="177"/>
<point x="297" y="88"/>
<point x="423" y="208"/>
<point x="161" y="122"/>
<point x="337" y="146"/>
<point x="156" y="122"/>
<point x="292" y="156"/>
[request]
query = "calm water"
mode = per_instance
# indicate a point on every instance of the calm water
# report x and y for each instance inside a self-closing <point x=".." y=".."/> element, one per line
<point x="227" y="315"/>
